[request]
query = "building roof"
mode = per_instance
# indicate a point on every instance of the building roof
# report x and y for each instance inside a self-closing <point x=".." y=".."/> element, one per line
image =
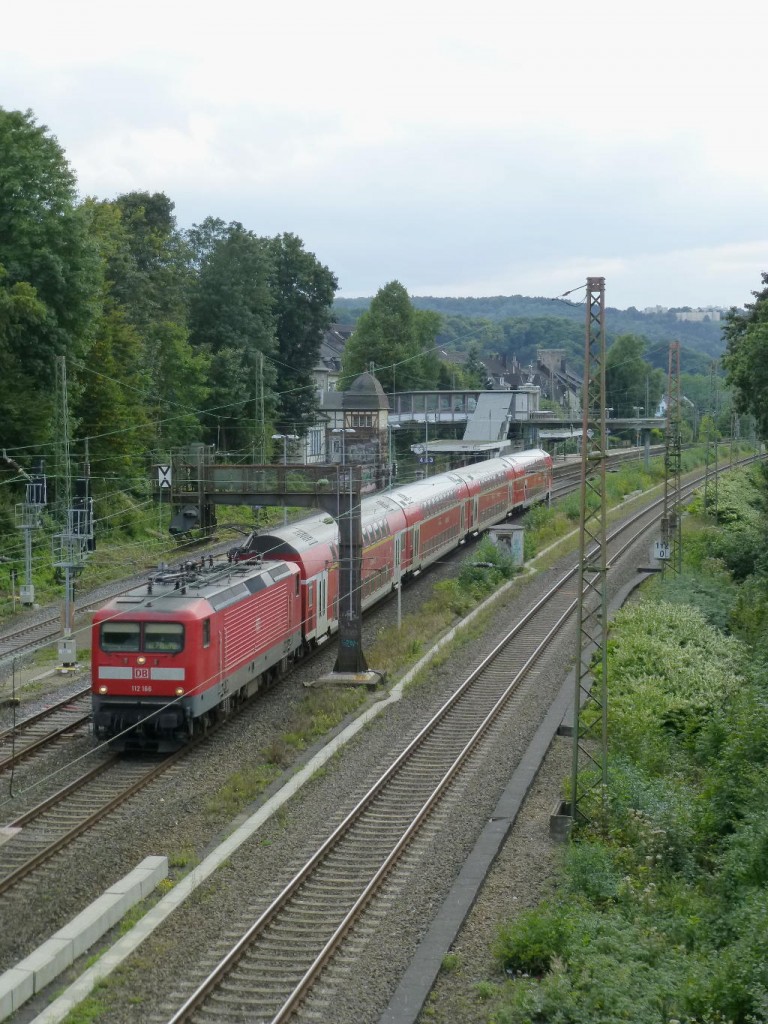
<point x="365" y="392"/>
<point x="332" y="348"/>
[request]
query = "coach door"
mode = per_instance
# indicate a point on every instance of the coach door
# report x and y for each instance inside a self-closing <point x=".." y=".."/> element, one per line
<point x="322" y="603"/>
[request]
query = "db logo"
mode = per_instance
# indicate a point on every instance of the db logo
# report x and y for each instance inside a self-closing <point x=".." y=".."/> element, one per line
<point x="141" y="673"/>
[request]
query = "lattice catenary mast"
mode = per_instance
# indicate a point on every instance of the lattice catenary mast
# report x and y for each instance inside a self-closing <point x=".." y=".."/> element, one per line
<point x="671" y="523"/>
<point x="590" y="703"/>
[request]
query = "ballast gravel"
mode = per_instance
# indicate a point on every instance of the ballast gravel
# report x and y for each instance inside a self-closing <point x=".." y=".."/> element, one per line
<point x="179" y="816"/>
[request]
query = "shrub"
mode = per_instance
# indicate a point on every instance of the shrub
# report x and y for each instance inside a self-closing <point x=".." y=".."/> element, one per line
<point x="530" y="943"/>
<point x="592" y="872"/>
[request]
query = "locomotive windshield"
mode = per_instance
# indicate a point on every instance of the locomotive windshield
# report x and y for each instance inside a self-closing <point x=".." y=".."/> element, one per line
<point x="153" y="637"/>
<point x="120" y="636"/>
<point x="163" y="636"/>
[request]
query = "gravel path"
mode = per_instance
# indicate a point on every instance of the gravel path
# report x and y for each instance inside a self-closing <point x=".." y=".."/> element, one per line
<point x="178" y="816"/>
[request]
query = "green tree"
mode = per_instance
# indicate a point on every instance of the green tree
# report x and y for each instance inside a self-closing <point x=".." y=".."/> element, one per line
<point x="474" y="371"/>
<point x="147" y="377"/>
<point x="746" y="357"/>
<point x="302" y="291"/>
<point x="150" y="271"/>
<point x="180" y="388"/>
<point x="50" y="277"/>
<point x="26" y="413"/>
<point x="232" y="322"/>
<point x="111" y="409"/>
<point x="398" y="339"/>
<point x="631" y="383"/>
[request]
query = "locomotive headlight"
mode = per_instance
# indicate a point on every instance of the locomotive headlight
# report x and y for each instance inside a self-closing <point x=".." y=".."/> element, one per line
<point x="103" y="689"/>
<point x="141" y="660"/>
<point x="179" y="691"/>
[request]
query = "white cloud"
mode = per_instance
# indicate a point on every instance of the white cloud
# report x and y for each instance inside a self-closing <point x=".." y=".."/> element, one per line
<point x="504" y="147"/>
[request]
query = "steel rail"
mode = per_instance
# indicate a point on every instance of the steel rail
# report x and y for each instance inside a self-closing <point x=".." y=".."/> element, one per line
<point x="646" y="518"/>
<point x="86" y="819"/>
<point x="18" y="735"/>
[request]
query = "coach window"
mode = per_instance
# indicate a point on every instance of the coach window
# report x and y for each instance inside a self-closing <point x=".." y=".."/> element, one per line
<point x="120" y="636"/>
<point x="206" y="632"/>
<point x="165" y="637"/>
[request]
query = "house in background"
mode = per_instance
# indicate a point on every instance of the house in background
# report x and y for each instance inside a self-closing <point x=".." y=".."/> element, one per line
<point x="356" y="426"/>
<point x="328" y="367"/>
<point x="549" y="373"/>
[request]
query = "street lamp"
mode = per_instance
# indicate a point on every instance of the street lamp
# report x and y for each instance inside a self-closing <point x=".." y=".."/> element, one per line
<point x="285" y="438"/>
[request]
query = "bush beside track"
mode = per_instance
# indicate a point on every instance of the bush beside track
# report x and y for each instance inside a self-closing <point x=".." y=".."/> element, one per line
<point x="661" y="910"/>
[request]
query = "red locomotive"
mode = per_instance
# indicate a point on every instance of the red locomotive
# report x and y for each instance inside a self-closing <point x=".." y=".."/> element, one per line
<point x="169" y="657"/>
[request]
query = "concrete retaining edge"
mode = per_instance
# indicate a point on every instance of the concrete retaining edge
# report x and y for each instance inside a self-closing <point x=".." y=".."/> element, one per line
<point x="33" y="973"/>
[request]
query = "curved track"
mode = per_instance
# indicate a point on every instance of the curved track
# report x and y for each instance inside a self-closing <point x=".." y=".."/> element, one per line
<point x="271" y="970"/>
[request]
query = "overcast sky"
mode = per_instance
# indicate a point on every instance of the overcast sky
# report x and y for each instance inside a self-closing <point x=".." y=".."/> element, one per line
<point x="487" y="148"/>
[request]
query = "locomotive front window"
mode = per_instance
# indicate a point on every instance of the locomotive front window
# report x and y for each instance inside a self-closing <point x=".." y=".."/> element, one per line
<point x="163" y="636"/>
<point x="120" y="636"/>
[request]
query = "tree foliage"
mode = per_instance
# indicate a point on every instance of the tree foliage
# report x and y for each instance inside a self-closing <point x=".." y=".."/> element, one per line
<point x="302" y="291"/>
<point x="746" y="357"/>
<point x="703" y="336"/>
<point x="49" y="272"/>
<point x="398" y="339"/>
<point x="145" y="361"/>
<point x="631" y="383"/>
<point x="232" y="322"/>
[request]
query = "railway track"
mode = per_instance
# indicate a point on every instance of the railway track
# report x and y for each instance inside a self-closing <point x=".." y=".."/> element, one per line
<point x="275" y="965"/>
<point x="39" y="834"/>
<point x="89" y="802"/>
<point x="58" y="820"/>
<point x="313" y="918"/>
<point x="36" y="733"/>
<point x="28" y="638"/>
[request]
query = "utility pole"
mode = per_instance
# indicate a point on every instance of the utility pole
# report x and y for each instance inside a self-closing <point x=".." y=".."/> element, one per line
<point x="77" y="536"/>
<point x="260" y="426"/>
<point x="590" y="723"/>
<point x="28" y="519"/>
<point x="711" y="439"/>
<point x="671" y="522"/>
<point x="350" y="657"/>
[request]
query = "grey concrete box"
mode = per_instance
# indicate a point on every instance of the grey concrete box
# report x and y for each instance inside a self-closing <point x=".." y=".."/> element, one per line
<point x="140" y="882"/>
<point x="156" y="869"/>
<point x="48" y="961"/>
<point x="16" y="986"/>
<point x="89" y="926"/>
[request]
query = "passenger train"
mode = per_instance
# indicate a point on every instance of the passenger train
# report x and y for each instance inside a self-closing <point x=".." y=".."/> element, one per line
<point x="171" y="656"/>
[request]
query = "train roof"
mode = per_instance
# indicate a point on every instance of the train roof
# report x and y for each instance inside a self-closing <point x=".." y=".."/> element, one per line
<point x="453" y="481"/>
<point x="295" y="539"/>
<point x="178" y="589"/>
<point x="314" y="540"/>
